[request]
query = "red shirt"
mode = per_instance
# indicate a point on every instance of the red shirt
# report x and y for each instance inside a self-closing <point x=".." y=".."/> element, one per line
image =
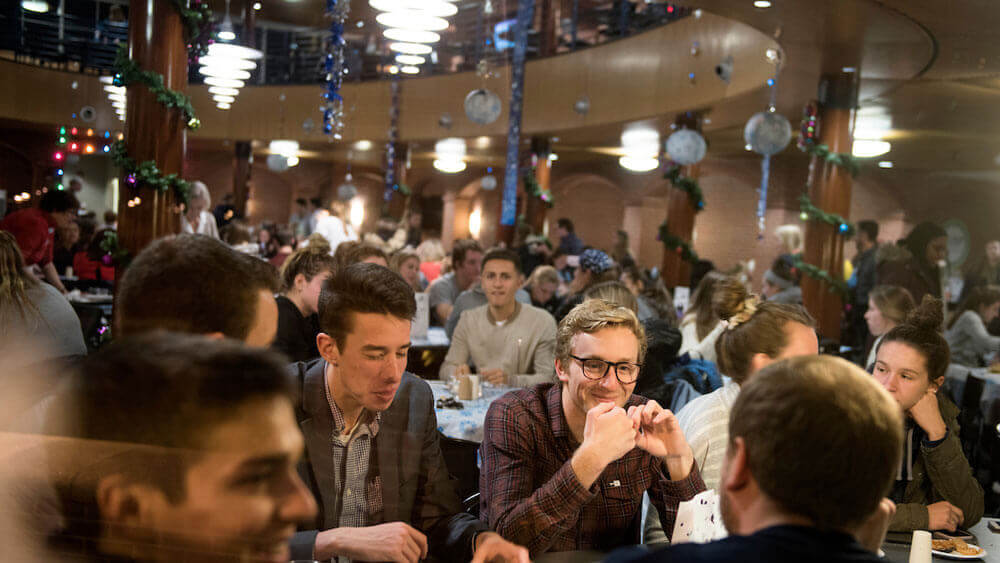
<point x="35" y="232"/>
<point x="87" y="269"/>
<point x="431" y="270"/>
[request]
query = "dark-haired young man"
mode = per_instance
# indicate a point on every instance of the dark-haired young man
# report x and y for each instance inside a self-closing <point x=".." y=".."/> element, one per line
<point x="569" y="243"/>
<point x="197" y="284"/>
<point x="466" y="258"/>
<point x="845" y="436"/>
<point x="34" y="229"/>
<point x="183" y="449"/>
<point x="373" y="460"/>
<point x="509" y="342"/>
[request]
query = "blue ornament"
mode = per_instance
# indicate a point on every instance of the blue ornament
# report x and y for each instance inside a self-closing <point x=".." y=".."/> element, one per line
<point x="843" y="227"/>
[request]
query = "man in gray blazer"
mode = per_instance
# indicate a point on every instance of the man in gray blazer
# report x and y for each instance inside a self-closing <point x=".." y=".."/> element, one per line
<point x="372" y="457"/>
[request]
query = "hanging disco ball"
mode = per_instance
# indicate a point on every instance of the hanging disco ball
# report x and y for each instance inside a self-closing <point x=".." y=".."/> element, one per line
<point x="767" y="133"/>
<point x="482" y="106"/>
<point x="277" y="163"/>
<point x="686" y="147"/>
<point x="347" y="191"/>
<point x="488" y="183"/>
<point x="582" y="105"/>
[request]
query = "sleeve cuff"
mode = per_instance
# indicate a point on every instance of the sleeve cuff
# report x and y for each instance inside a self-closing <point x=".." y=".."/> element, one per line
<point x="931" y="444"/>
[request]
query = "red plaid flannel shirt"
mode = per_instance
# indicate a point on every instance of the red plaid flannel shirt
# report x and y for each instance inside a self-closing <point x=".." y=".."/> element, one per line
<point x="531" y="496"/>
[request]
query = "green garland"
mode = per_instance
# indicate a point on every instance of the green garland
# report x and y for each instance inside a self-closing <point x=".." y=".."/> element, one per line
<point x="686" y="184"/>
<point x="197" y="25"/>
<point x="148" y="174"/>
<point x="843" y="160"/>
<point x="812" y="213"/>
<point x="676" y="244"/>
<point x="532" y="187"/>
<point x="833" y="284"/>
<point x="129" y="72"/>
<point x="113" y="251"/>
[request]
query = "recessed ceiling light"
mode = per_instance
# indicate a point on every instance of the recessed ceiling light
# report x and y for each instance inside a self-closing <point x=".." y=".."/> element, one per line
<point x="257" y="6"/>
<point x="762" y="4"/>
<point x="849" y="69"/>
<point x="363" y="145"/>
<point x="35" y="6"/>
<point x="885" y="164"/>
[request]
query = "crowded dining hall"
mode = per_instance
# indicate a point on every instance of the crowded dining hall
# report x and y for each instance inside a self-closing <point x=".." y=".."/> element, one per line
<point x="499" y="281"/>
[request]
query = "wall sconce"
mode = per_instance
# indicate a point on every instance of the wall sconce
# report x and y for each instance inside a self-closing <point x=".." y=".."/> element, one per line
<point x="475" y="222"/>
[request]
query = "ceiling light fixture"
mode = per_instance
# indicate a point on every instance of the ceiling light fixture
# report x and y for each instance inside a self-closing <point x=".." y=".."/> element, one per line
<point x="410" y="48"/>
<point x="885" y="164"/>
<point x="438" y="8"/>
<point x="410" y="60"/>
<point x="37" y="6"/>
<point x="450" y="155"/>
<point x="116" y="95"/>
<point x="363" y="145"/>
<point x="410" y="70"/>
<point x="638" y="163"/>
<point x="227" y="65"/>
<point x="641" y="148"/>
<point x="867" y="148"/>
<point x="412" y="19"/>
<point x="411" y="35"/>
<point x="762" y="4"/>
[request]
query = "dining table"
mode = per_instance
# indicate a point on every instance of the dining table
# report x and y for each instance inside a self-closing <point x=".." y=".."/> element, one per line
<point x="892" y="552"/>
<point x="467" y="422"/>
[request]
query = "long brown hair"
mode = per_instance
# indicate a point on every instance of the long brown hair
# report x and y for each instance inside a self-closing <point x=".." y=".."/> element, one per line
<point x="893" y="301"/>
<point x="981" y="296"/>
<point x="755" y="327"/>
<point x="14" y="281"/>
<point x="701" y="304"/>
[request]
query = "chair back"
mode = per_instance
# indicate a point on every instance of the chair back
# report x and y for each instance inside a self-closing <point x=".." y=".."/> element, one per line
<point x="462" y="460"/>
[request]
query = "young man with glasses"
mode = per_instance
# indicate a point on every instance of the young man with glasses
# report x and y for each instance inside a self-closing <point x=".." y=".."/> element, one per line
<point x="565" y="465"/>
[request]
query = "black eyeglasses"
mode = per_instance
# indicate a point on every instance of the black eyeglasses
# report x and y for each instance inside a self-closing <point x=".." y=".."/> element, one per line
<point x="595" y="368"/>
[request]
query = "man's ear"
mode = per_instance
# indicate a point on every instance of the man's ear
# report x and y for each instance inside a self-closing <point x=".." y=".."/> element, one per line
<point x="737" y="471"/>
<point x="328" y="348"/>
<point x="760" y="361"/>
<point x="127" y="504"/>
<point x="561" y="373"/>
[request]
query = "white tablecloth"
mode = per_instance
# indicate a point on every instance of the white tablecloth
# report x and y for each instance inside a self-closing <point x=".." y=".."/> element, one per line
<point x="465" y="423"/>
<point x="991" y="390"/>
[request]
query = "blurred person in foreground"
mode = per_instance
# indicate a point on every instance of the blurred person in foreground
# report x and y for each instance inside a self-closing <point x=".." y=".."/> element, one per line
<point x="814" y="445"/>
<point x="197" y="284"/>
<point x="373" y="459"/>
<point x="180" y="448"/>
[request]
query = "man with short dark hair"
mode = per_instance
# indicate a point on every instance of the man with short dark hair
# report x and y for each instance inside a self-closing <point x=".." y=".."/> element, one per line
<point x="184" y="449"/>
<point x="565" y="464"/>
<point x="466" y="258"/>
<point x="509" y="342"/>
<point x="569" y="243"/>
<point x="814" y="445"/>
<point x="34" y="229"/>
<point x="197" y="284"/>
<point x="373" y="460"/>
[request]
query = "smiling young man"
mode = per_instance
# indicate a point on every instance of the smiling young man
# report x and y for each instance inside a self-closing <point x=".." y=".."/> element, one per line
<point x="565" y="464"/>
<point x="181" y="448"/>
<point x="373" y="460"/>
<point x="466" y="257"/>
<point x="509" y="342"/>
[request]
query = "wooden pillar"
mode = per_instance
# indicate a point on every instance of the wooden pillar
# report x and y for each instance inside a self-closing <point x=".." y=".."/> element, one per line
<point x="448" y="220"/>
<point x="153" y="131"/>
<point x="830" y="190"/>
<point x="548" y="38"/>
<point x="680" y="216"/>
<point x="534" y="209"/>
<point x="242" y="164"/>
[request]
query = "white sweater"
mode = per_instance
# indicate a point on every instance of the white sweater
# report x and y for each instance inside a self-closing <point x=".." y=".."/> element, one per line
<point x="970" y="341"/>
<point x="699" y="349"/>
<point x="524" y="346"/>
<point x="705" y="423"/>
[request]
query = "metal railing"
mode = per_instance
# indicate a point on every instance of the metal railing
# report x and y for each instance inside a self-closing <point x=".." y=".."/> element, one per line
<point x="86" y="40"/>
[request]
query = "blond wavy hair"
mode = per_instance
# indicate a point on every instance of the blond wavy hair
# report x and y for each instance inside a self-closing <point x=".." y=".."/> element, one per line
<point x="592" y="316"/>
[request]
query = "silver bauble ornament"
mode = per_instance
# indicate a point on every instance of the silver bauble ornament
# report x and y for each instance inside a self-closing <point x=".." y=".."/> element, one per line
<point x="488" y="183"/>
<point x="582" y="105"/>
<point x="445" y="120"/>
<point x="482" y="106"/>
<point x="277" y="163"/>
<point x="767" y="133"/>
<point x="686" y="147"/>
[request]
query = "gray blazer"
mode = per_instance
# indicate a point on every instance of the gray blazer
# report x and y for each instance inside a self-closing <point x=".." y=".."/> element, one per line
<point x="416" y="488"/>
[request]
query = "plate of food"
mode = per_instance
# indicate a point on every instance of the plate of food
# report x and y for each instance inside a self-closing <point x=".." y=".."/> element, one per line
<point x="956" y="549"/>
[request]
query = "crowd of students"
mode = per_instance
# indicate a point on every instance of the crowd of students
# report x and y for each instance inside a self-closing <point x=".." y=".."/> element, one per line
<point x="187" y="439"/>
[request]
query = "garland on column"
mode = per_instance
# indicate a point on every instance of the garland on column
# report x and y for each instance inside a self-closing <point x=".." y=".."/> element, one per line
<point x="686" y="184"/>
<point x="148" y="174"/>
<point x="808" y="211"/>
<point x="531" y="185"/>
<point x="114" y="254"/>
<point x="197" y="27"/>
<point x="676" y="244"/>
<point x="128" y="72"/>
